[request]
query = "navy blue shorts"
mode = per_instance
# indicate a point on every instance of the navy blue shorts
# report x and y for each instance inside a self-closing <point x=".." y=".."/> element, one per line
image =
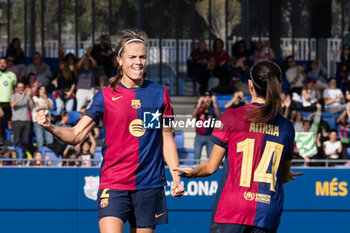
<point x="236" y="228"/>
<point x="142" y="208"/>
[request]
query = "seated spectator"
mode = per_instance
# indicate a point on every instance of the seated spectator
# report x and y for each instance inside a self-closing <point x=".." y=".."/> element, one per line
<point x="306" y="140"/>
<point x="238" y="71"/>
<point x="41" y="101"/>
<point x="220" y="55"/>
<point x="4" y="156"/>
<point x="40" y="69"/>
<point x="86" y="79"/>
<point x="11" y="67"/>
<point x="344" y="130"/>
<point x="15" y="51"/>
<point x="38" y="160"/>
<point x="238" y="100"/>
<point x="343" y="68"/>
<point x="332" y="148"/>
<point x="86" y="150"/>
<point x="321" y="137"/>
<point x="263" y="53"/>
<point x="295" y="75"/>
<point x="198" y="61"/>
<point x="65" y="83"/>
<point x="310" y="95"/>
<point x="239" y="50"/>
<point x="319" y="73"/>
<point x="333" y="97"/>
<point x="297" y="119"/>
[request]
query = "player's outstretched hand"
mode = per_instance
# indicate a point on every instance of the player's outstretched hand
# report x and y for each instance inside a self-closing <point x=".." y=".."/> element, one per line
<point x="43" y="118"/>
<point x="185" y="172"/>
<point x="177" y="189"/>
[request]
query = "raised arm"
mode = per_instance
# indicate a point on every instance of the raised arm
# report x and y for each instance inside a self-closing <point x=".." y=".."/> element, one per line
<point x="72" y="136"/>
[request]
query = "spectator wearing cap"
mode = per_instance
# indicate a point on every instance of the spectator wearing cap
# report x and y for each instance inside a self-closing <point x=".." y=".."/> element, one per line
<point x="206" y="109"/>
<point x="310" y="95"/>
<point x="333" y="97"/>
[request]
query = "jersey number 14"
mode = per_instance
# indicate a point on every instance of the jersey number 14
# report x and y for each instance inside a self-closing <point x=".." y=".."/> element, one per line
<point x="260" y="174"/>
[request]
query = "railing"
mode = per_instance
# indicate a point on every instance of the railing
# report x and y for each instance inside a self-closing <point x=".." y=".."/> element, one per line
<point x="296" y="163"/>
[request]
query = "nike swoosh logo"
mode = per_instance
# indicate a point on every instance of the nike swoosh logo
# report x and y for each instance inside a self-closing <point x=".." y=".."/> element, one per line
<point x="116" y="98"/>
<point x="158" y="215"/>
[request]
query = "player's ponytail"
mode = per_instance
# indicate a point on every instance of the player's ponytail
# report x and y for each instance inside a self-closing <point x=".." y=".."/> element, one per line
<point x="266" y="79"/>
<point x="124" y="38"/>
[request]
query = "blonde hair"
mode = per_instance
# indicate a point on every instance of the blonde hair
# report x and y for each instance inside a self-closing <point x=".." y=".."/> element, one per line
<point x="122" y="39"/>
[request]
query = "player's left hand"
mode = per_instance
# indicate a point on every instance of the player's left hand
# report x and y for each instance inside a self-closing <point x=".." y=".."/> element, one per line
<point x="292" y="176"/>
<point x="177" y="189"/>
<point x="185" y="172"/>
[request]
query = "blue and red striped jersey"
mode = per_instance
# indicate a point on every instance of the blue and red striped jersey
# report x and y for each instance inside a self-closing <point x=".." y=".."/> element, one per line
<point x="132" y="155"/>
<point x="251" y="188"/>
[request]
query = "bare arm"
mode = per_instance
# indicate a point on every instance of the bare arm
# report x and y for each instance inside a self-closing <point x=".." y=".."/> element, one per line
<point x="172" y="159"/>
<point x="206" y="168"/>
<point x="93" y="144"/>
<point x="72" y="136"/>
<point x="13" y="102"/>
<point x="287" y="174"/>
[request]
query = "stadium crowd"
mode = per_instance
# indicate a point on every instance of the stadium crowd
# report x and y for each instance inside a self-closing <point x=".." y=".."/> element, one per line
<point x="312" y="101"/>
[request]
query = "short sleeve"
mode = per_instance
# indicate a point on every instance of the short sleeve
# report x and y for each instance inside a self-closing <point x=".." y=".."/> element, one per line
<point x="220" y="136"/>
<point x="168" y="112"/>
<point x="326" y="94"/>
<point x="96" y="107"/>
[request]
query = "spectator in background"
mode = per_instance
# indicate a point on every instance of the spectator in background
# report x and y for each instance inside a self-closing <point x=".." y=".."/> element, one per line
<point x="321" y="137"/>
<point x="319" y="73"/>
<point x="63" y="120"/>
<point x="38" y="160"/>
<point x="238" y="100"/>
<point x="13" y="68"/>
<point x="333" y="97"/>
<point x="86" y="150"/>
<point x="14" y="158"/>
<point x="346" y="38"/>
<point x="220" y="55"/>
<point x="206" y="109"/>
<point x="197" y="64"/>
<point x="332" y="148"/>
<point x="14" y="50"/>
<point x="32" y="83"/>
<point x="310" y="95"/>
<point x="295" y="75"/>
<point x="263" y="53"/>
<point x="344" y="130"/>
<point x="306" y="140"/>
<point x="21" y="101"/>
<point x="7" y="81"/>
<point x="4" y="156"/>
<point x="64" y="83"/>
<point x="103" y="55"/>
<point x="343" y="66"/>
<point x="86" y="79"/>
<point x="239" y="50"/>
<point x="40" y="69"/>
<point x="41" y="102"/>
<point x="72" y="155"/>
<point x="72" y="65"/>
<point x="238" y="71"/>
<point x="297" y="119"/>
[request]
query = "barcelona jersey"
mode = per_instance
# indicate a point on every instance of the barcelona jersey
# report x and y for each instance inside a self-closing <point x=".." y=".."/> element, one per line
<point x="132" y="153"/>
<point x="251" y="188"/>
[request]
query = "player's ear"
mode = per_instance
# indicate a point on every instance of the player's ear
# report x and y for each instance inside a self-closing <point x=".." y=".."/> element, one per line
<point x="119" y="60"/>
<point x="251" y="86"/>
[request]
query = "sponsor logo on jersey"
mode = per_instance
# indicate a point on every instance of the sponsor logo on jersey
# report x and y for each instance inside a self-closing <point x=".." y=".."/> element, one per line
<point x="152" y="120"/>
<point x="91" y="187"/>
<point x="136" y="128"/>
<point x="104" y="202"/>
<point x="136" y="104"/>
<point x="5" y="83"/>
<point x="258" y="197"/>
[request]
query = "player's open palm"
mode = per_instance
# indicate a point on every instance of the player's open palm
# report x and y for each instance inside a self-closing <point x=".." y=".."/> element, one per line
<point x="43" y="118"/>
<point x="184" y="172"/>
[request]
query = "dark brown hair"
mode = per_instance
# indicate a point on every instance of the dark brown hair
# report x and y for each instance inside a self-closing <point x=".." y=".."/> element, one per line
<point x="266" y="78"/>
<point x="123" y="37"/>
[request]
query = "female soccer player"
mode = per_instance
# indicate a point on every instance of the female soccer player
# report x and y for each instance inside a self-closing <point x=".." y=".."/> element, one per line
<point x="259" y="142"/>
<point x="132" y="172"/>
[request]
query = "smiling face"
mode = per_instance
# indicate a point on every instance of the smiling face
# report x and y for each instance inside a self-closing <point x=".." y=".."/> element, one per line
<point x="133" y="61"/>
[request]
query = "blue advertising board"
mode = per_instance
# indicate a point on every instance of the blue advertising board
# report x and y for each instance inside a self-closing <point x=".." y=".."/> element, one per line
<point x="35" y="200"/>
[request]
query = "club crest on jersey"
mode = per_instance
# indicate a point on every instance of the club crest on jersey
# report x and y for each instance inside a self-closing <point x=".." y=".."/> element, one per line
<point x="104" y="202"/>
<point x="136" y="104"/>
